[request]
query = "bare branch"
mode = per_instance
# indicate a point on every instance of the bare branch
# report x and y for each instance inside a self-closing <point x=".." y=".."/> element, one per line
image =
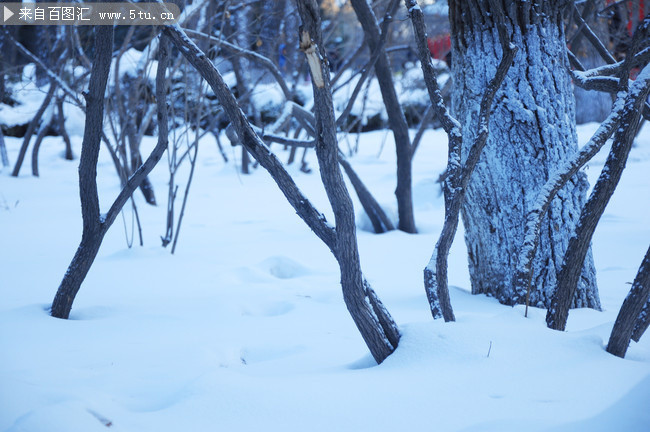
<point x="315" y="220"/>
<point x="264" y="61"/>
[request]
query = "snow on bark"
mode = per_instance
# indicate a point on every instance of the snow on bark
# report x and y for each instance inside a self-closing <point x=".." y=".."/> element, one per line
<point x="568" y="278"/>
<point x="458" y="174"/>
<point x="532" y="130"/>
<point x="535" y="216"/>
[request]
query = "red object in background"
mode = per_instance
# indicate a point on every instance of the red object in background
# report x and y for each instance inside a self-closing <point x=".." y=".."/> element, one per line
<point x="439" y="47"/>
<point x="630" y="11"/>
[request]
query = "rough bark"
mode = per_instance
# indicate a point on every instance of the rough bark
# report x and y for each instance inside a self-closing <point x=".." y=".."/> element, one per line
<point x="374" y="322"/>
<point x="642" y="322"/>
<point x="632" y="306"/>
<point x="532" y="130"/>
<point x="92" y="233"/>
<point x="569" y="277"/>
<point x="535" y="217"/>
<point x="458" y="174"/>
<point x="95" y="225"/>
<point x="396" y="119"/>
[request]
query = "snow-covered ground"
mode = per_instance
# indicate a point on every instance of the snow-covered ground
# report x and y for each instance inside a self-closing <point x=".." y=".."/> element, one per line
<point x="245" y="328"/>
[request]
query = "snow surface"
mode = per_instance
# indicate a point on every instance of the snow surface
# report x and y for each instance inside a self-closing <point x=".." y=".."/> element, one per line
<point x="245" y="328"/>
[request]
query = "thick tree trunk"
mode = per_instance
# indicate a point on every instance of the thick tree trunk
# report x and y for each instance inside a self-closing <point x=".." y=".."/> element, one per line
<point x="532" y="131"/>
<point x="619" y="340"/>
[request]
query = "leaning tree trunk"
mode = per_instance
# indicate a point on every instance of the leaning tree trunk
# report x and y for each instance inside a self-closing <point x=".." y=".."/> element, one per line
<point x="377" y="327"/>
<point x="96" y="225"/>
<point x="532" y="132"/>
<point x="633" y="304"/>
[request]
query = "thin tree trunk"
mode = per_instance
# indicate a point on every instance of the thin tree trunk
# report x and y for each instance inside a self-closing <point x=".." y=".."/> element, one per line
<point x="633" y="304"/>
<point x="373" y="321"/>
<point x="63" y="131"/>
<point x="33" y="125"/>
<point x="95" y="226"/>
<point x="92" y="234"/>
<point x="136" y="158"/>
<point x="44" y="128"/>
<point x="458" y="175"/>
<point x="377" y="328"/>
<point x="396" y="118"/>
<point x="570" y="273"/>
<point x="3" y="150"/>
<point x="380" y="222"/>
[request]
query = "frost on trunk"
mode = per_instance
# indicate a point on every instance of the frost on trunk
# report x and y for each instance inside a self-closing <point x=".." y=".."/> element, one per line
<point x="532" y="132"/>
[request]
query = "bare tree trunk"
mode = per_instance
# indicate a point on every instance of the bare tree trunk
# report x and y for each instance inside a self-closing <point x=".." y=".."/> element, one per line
<point x="3" y="150"/>
<point x="134" y="150"/>
<point x="373" y="321"/>
<point x="458" y="175"/>
<point x="570" y="274"/>
<point x="376" y="214"/>
<point x="95" y="225"/>
<point x="62" y="129"/>
<point x="642" y="322"/>
<point x="396" y="118"/>
<point x="43" y="129"/>
<point x="633" y="304"/>
<point x="532" y="130"/>
<point x="92" y="234"/>
<point x="375" y="324"/>
<point x="33" y="126"/>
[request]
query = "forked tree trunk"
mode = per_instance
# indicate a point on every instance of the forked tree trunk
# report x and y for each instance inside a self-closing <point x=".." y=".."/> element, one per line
<point x="373" y="321"/>
<point x="95" y="225"/>
<point x="92" y="235"/>
<point x="532" y="132"/>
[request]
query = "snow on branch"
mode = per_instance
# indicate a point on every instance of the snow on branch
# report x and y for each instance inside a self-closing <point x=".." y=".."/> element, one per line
<point x="458" y="174"/>
<point x="524" y="272"/>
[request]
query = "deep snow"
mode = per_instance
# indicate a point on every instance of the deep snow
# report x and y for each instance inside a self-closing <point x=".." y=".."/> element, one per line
<point x="244" y="328"/>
